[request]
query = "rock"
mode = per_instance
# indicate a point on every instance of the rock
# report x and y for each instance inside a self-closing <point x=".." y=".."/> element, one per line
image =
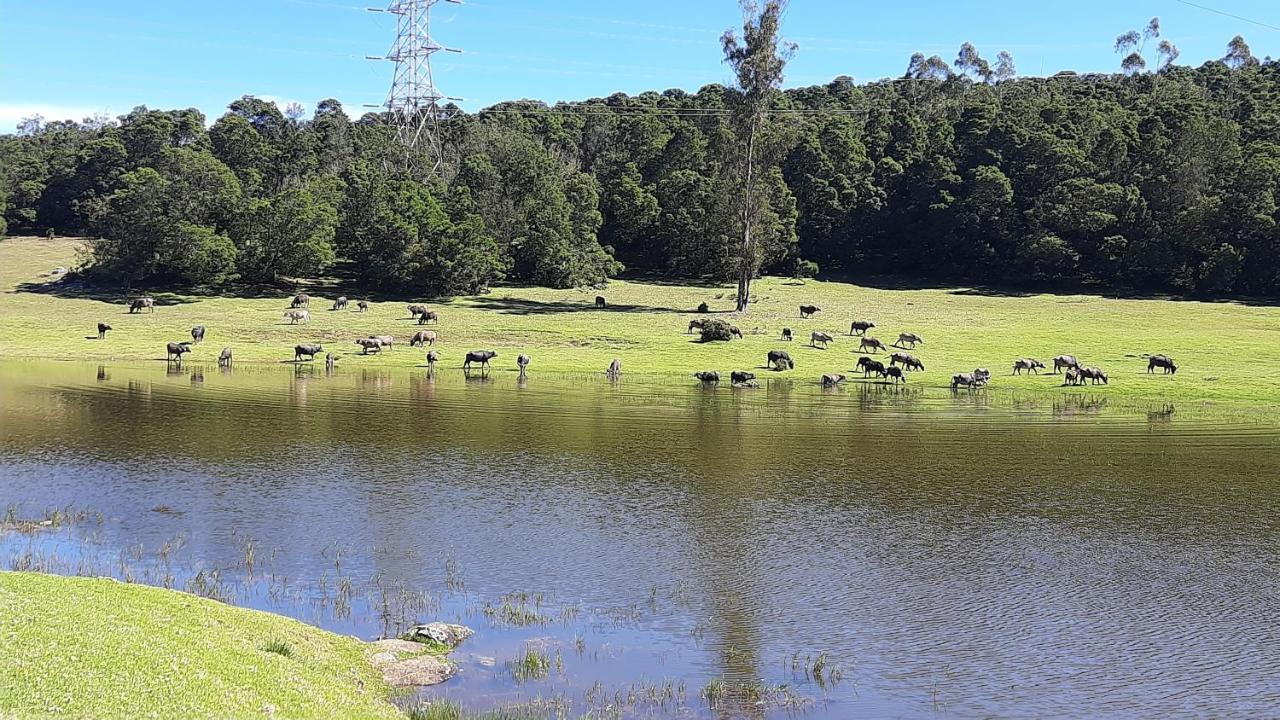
<point x="418" y="671"/>
<point x="393" y="646"/>
<point x="444" y="633"/>
<point x="382" y="658"/>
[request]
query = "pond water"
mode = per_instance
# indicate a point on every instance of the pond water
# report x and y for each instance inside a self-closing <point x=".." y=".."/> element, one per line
<point x="963" y="555"/>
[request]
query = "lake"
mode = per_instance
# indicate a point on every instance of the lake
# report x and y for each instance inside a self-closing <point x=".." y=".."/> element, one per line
<point x="975" y="554"/>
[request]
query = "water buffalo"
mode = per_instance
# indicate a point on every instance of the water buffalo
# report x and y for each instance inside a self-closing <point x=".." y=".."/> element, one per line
<point x="967" y="379"/>
<point x="615" y="368"/>
<point x="145" y="303"/>
<point x="907" y="337"/>
<point x="300" y="300"/>
<point x="1064" y="361"/>
<point x="983" y="375"/>
<point x="102" y="330"/>
<point x="423" y="337"/>
<point x="907" y="360"/>
<point x="386" y="340"/>
<point x="860" y="327"/>
<point x="786" y="334"/>
<point x="746" y="385"/>
<point x="895" y="374"/>
<point x="175" y="350"/>
<point x="416" y="310"/>
<point x="868" y="366"/>
<point x="369" y="343"/>
<point x="1094" y="375"/>
<point x="780" y="360"/>
<point x="428" y="316"/>
<point x="696" y="325"/>
<point x="224" y="357"/>
<point x="819" y="337"/>
<point x="832" y="379"/>
<point x="1162" y="361"/>
<point x="296" y="316"/>
<point x="197" y="334"/>
<point x="340" y="303"/>
<point x="710" y="377"/>
<point x="600" y="301"/>
<point x="362" y="305"/>
<point x="1029" y="364"/>
<point x="809" y="310"/>
<point x="738" y="376"/>
<point x="479" y="356"/>
<point x="308" y="350"/>
<point x="1074" y="376"/>
<point x="872" y="343"/>
<point x="433" y="357"/>
<point x="522" y="362"/>
<point x="330" y="360"/>
<point x="735" y="332"/>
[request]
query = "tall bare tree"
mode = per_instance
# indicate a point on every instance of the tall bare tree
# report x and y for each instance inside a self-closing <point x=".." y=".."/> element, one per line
<point x="757" y="58"/>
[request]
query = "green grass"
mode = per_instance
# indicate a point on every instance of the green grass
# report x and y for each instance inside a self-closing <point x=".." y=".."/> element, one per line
<point x="1227" y="351"/>
<point x="83" y="647"/>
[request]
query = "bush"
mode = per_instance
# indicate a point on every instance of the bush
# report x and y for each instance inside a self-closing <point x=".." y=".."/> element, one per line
<point x="704" y="308"/>
<point x="716" y="330"/>
<point x="805" y="269"/>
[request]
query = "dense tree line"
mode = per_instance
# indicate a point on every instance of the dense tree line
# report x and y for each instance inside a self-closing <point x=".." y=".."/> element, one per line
<point x="1165" y="179"/>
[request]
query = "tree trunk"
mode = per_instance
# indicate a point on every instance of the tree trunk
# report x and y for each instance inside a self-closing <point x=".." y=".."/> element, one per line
<point x="746" y="264"/>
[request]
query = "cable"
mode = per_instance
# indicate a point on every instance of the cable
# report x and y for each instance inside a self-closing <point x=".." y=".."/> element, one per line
<point x="1227" y="14"/>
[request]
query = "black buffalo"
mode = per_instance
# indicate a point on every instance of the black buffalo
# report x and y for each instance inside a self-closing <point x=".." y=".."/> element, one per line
<point x="479" y="356"/>
<point x="310" y="351"/>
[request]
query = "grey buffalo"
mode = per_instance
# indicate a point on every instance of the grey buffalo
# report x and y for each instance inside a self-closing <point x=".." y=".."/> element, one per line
<point x="176" y="350"/>
<point x="1164" y="362"/>
<point x="907" y="360"/>
<point x="967" y="379"/>
<point x="522" y="362"/>
<point x="739" y="376"/>
<point x="197" y="334"/>
<point x="479" y="356"/>
<point x="102" y="330"/>
<point x="710" y="377"/>
<point x="615" y="368"/>
<point x="146" y="303"/>
<point x="1074" y="376"/>
<point x="832" y="379"/>
<point x="786" y="334"/>
<point x="809" y="310"/>
<point x="300" y="300"/>
<point x="330" y="360"/>
<point x="1094" y="375"/>
<point x="423" y="337"/>
<point x="912" y="338"/>
<point x="860" y="327"/>
<point x="340" y="303"/>
<point x="780" y="360"/>
<point x="309" y="351"/>
<point x="433" y="357"/>
<point x="872" y="344"/>
<point x="386" y="340"/>
<point x="1028" y="364"/>
<point x="1065" y="361"/>
<point x="746" y="385"/>
<point x="296" y="316"/>
<point x="819" y="337"/>
<point x="416" y="310"/>
<point x="224" y="357"/>
<point x="369" y="343"/>
<point x="428" y="316"/>
<point x="362" y="305"/>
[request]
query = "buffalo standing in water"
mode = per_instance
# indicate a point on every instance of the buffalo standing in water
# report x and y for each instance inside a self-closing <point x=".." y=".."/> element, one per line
<point x="872" y="343"/>
<point x="1029" y="364"/>
<point x="615" y="368"/>
<point x="741" y="376"/>
<point x="780" y="360"/>
<point x="832" y="379"/>
<point x="422" y="337"/>
<point x="433" y="357"/>
<point x="907" y="360"/>
<point x="1065" y="361"/>
<point x="908" y="337"/>
<point x="1162" y="361"/>
<point x="300" y="300"/>
<point x="819" y="337"/>
<point x="522" y="362"/>
<point x="809" y="310"/>
<point x="330" y="360"/>
<point x="600" y="303"/>
<point x="868" y="366"/>
<point x="310" y="351"/>
<point x="102" y="330"/>
<point x="1094" y="375"/>
<point x="369" y="343"/>
<point x="709" y="377"/>
<point x="146" y="303"/>
<point x="224" y="357"/>
<point x="176" y="350"/>
<point x="428" y="316"/>
<point x="895" y="373"/>
<point x="197" y="334"/>
<point x="967" y="379"/>
<point x="479" y="356"/>
<point x="786" y="334"/>
<point x="340" y="303"/>
<point x="860" y="327"/>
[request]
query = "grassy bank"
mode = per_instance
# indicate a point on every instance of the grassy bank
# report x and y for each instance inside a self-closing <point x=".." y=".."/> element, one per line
<point x="1226" y="350"/>
<point x="86" y="647"/>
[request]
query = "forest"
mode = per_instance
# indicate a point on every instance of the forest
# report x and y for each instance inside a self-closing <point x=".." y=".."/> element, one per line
<point x="1161" y="178"/>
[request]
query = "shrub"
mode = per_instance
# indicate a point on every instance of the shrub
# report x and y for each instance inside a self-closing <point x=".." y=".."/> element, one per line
<point x="806" y="269"/>
<point x="704" y="308"/>
<point x="715" y="330"/>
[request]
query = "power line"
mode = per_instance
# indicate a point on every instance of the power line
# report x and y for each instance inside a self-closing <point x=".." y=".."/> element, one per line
<point x="1230" y="15"/>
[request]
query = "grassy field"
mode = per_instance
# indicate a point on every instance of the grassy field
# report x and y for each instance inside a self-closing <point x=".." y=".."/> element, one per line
<point x="1227" y="351"/>
<point x="86" y="647"/>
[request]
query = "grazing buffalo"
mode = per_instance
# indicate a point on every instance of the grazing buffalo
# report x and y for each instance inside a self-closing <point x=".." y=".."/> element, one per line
<point x="696" y="325"/>
<point x="786" y="334"/>
<point x="868" y="366"/>
<point x="522" y="362"/>
<point x="300" y="300"/>
<point x="872" y="344"/>
<point x="780" y="360"/>
<point x="1074" y="376"/>
<point x="895" y="374"/>
<point x="832" y="379"/>
<point x="615" y="368"/>
<point x="1162" y="361"/>
<point x="710" y="377"/>
<point x="416" y="310"/>
<point x="362" y="305"/>
<point x="340" y="303"/>
<point x="1094" y="375"/>
<point x="1029" y="364"/>
<point x="479" y="356"/>
<point x="296" y="316"/>
<point x="739" y="376"/>
<point x="1065" y="361"/>
<point x="907" y="360"/>
<point x="330" y="360"/>
<point x="809" y="310"/>
<point x="310" y="351"/>
<point x="197" y="334"/>
<point x="102" y="330"/>
<point x="819" y="337"/>
<point x="146" y="303"/>
<point x="967" y="379"/>
<point x="428" y="316"/>
<point x="433" y="357"/>
<point x="912" y="338"/>
<point x="176" y="350"/>
<point x="369" y="343"/>
<point x="423" y="337"/>
<point x="224" y="357"/>
<point x="386" y="340"/>
<point x="860" y="327"/>
<point x="600" y="301"/>
<point x="735" y="332"/>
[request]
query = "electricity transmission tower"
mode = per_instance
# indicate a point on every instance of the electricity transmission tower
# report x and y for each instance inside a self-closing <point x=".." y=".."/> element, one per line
<point x="413" y="103"/>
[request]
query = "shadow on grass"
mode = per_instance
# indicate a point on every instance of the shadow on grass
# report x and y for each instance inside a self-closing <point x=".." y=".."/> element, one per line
<point x="517" y="306"/>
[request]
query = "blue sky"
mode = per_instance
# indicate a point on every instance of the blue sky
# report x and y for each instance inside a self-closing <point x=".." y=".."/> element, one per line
<point x="73" y="58"/>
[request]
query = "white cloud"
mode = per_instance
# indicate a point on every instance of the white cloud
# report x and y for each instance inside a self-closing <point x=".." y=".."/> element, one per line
<point x="12" y="113"/>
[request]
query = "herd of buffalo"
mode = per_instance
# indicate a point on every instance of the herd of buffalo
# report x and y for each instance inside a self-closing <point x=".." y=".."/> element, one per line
<point x="900" y="362"/>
